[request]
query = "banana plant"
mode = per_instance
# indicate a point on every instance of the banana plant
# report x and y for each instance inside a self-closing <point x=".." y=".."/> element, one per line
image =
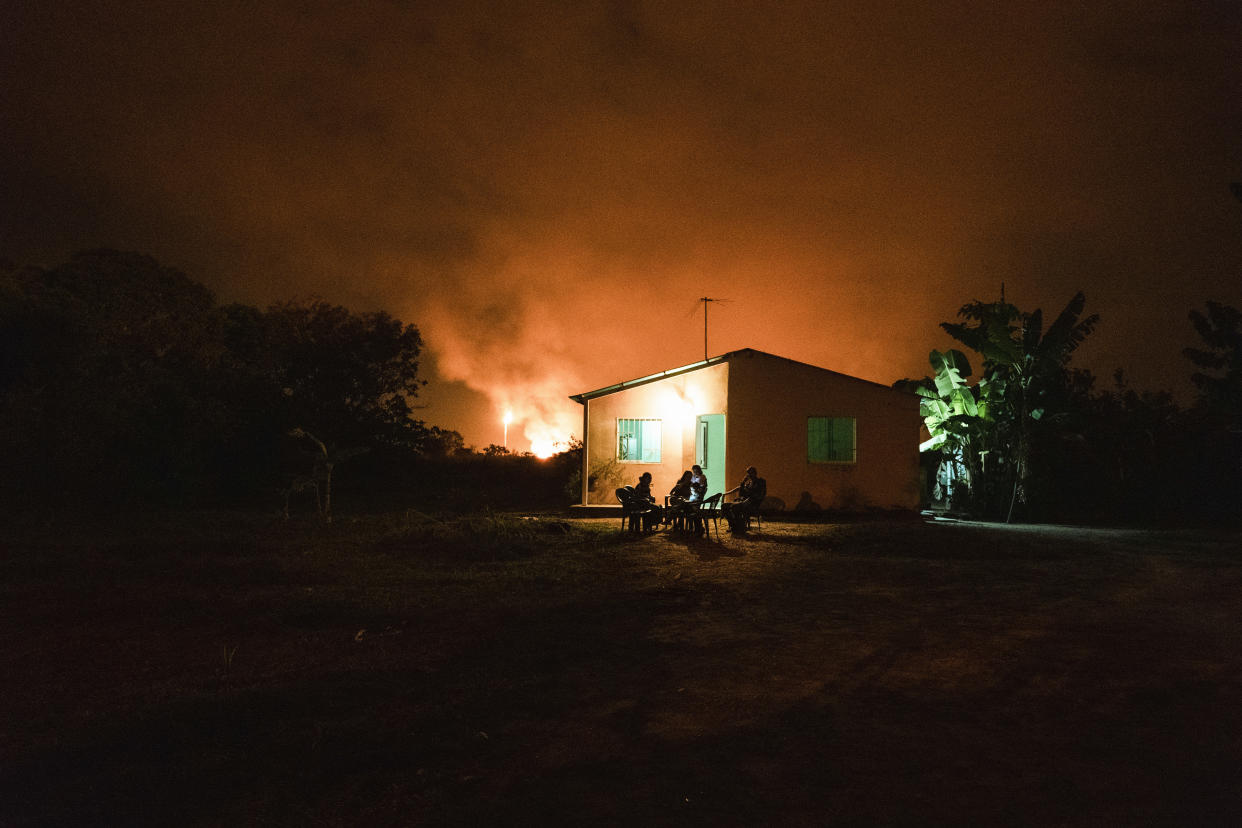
<point x="1021" y="361"/>
<point x="951" y="409"/>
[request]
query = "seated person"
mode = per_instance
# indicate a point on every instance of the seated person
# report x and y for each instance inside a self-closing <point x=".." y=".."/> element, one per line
<point x="751" y="492"/>
<point x="642" y="494"/>
<point x="678" y="497"/>
<point x="680" y="493"/>
<point x="698" y="483"/>
<point x="698" y="491"/>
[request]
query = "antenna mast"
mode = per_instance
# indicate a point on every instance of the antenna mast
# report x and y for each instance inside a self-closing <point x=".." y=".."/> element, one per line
<point x="705" y="300"/>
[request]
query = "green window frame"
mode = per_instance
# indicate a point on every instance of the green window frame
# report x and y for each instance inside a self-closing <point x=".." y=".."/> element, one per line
<point x="831" y="440"/>
<point x="638" y="440"/>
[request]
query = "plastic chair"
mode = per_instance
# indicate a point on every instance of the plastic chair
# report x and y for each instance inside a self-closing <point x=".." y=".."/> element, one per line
<point x="710" y="510"/>
<point x="631" y="509"/>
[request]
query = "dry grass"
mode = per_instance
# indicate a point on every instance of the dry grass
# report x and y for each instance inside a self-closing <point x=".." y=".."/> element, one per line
<point x="226" y="669"/>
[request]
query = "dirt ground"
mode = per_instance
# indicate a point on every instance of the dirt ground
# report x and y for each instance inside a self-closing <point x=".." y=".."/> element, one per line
<point x="899" y="672"/>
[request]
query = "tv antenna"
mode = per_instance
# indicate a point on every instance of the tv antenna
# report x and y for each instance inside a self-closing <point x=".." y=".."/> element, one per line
<point x="706" y="300"/>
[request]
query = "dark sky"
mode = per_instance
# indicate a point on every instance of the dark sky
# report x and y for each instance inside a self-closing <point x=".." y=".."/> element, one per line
<point x="545" y="189"/>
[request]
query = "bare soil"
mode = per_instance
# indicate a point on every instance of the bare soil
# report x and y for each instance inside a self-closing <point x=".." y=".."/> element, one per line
<point x="236" y="670"/>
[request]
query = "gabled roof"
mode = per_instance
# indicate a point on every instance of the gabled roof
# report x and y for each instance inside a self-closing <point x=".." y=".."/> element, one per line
<point x="716" y="360"/>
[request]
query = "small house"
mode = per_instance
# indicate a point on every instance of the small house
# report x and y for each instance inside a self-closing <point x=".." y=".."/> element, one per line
<point x="821" y="439"/>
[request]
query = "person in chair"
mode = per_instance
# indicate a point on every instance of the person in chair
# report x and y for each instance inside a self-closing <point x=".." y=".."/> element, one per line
<point x="750" y="494"/>
<point x="698" y="491"/>
<point x="642" y="493"/>
<point x="678" y="496"/>
<point x="698" y="483"/>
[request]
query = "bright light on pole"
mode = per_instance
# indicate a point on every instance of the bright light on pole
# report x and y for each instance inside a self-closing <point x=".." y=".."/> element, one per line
<point x="507" y="419"/>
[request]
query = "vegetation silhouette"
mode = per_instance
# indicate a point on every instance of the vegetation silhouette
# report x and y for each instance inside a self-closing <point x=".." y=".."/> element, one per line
<point x="124" y="383"/>
<point x="1033" y="438"/>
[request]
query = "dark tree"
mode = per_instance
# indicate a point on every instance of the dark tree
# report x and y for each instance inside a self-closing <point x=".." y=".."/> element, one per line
<point x="347" y="377"/>
<point x="1219" y="378"/>
<point x="122" y="380"/>
<point x="106" y="359"/>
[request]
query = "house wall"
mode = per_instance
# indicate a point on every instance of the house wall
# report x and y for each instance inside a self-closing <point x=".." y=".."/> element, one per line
<point x="676" y="401"/>
<point x="770" y="400"/>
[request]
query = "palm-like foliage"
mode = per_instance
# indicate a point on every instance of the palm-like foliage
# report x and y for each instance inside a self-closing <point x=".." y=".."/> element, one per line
<point x="948" y="406"/>
<point x="1022" y="364"/>
<point x="1219" y="379"/>
<point x="1015" y="346"/>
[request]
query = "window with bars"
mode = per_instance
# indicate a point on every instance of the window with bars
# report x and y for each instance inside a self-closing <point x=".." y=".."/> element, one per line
<point x="638" y="441"/>
<point x="831" y="440"/>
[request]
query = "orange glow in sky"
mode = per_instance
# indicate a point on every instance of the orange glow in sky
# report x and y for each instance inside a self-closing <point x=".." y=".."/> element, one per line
<point x="546" y="195"/>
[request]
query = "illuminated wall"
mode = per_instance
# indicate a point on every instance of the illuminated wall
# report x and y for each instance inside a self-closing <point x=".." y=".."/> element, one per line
<point x="676" y="402"/>
<point x="766" y="402"/>
<point x="772" y="398"/>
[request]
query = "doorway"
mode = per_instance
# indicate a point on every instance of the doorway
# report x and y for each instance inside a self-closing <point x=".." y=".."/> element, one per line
<point x="709" y="450"/>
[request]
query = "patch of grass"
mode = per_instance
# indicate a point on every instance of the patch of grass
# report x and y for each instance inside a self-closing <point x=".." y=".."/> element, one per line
<point x="409" y="668"/>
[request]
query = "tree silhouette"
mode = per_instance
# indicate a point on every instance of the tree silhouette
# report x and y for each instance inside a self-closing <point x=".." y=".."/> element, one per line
<point x="1220" y="379"/>
<point x="107" y="358"/>
<point x="122" y="379"/>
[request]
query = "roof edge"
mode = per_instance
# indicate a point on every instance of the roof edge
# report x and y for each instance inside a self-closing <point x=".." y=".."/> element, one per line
<point x="850" y="377"/>
<point x="672" y="372"/>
